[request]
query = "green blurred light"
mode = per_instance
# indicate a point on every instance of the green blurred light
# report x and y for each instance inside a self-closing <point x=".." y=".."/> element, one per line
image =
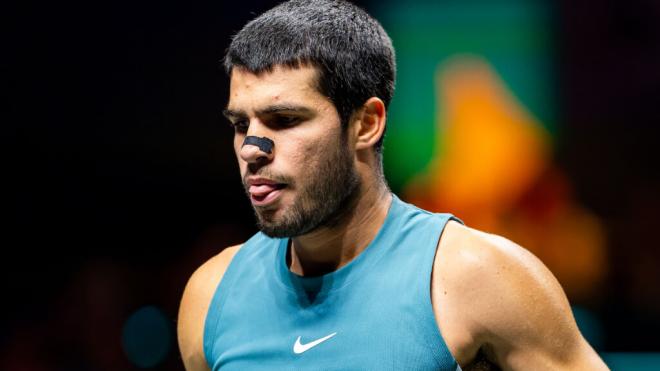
<point x="147" y="337"/>
<point x="632" y="361"/>
<point x="514" y="36"/>
<point x="589" y="326"/>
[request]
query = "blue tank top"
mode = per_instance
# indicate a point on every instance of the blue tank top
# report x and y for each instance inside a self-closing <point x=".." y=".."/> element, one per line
<point x="374" y="313"/>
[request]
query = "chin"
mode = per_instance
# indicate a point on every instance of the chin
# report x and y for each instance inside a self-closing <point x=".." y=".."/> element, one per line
<point x="280" y="225"/>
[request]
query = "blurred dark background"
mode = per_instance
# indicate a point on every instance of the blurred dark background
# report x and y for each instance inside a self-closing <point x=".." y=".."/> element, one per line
<point x="120" y="176"/>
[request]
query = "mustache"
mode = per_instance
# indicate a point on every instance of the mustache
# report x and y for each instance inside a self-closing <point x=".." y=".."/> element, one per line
<point x="264" y="173"/>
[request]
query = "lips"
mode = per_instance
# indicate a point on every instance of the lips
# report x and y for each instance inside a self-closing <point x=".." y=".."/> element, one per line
<point x="263" y="194"/>
<point x="262" y="190"/>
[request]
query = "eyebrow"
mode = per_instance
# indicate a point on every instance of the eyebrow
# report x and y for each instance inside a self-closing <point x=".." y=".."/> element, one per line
<point x="284" y="108"/>
<point x="229" y="113"/>
<point x="278" y="108"/>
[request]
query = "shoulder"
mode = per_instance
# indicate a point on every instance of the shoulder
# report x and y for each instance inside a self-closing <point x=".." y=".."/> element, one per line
<point x="466" y="253"/>
<point x="194" y="306"/>
<point x="506" y="302"/>
<point x="492" y="280"/>
<point x="462" y="273"/>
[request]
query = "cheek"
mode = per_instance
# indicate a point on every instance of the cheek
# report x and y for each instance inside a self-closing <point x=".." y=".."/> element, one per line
<point x="308" y="153"/>
<point x="298" y="158"/>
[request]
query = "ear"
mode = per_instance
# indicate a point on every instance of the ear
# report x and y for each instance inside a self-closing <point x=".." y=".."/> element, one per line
<point x="369" y="123"/>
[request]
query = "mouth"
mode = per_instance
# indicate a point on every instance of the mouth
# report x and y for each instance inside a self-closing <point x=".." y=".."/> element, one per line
<point x="265" y="194"/>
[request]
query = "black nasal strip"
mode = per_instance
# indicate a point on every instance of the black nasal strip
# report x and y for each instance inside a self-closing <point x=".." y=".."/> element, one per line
<point x="264" y="144"/>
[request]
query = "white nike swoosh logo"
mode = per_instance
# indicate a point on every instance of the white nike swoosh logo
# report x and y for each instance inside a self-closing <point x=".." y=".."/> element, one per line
<point x="301" y="348"/>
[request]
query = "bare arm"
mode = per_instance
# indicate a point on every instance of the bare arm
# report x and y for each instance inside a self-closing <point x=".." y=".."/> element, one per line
<point x="194" y="306"/>
<point x="513" y="308"/>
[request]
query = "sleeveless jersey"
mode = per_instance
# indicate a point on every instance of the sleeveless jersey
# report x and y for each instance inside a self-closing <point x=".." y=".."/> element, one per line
<point x="374" y="313"/>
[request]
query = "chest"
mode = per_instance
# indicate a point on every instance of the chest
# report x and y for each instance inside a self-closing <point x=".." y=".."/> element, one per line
<point x="348" y="329"/>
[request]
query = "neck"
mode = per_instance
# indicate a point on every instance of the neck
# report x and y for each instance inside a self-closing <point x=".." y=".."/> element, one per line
<point x="327" y="249"/>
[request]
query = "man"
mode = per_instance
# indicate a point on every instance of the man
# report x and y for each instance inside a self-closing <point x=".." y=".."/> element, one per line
<point x="343" y="274"/>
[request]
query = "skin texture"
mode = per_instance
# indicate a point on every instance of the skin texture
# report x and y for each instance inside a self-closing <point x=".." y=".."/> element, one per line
<point x="322" y="187"/>
<point x="495" y="303"/>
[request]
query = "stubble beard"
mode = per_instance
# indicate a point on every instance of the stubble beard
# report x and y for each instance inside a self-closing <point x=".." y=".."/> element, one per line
<point x="323" y="201"/>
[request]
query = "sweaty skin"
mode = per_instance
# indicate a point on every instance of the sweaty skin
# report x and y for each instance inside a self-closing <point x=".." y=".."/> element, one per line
<point x="496" y="305"/>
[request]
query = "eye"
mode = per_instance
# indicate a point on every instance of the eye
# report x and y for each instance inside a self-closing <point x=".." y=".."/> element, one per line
<point x="285" y="121"/>
<point x="240" y="126"/>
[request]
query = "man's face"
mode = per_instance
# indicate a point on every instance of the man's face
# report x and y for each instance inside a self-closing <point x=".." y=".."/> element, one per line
<point x="310" y="175"/>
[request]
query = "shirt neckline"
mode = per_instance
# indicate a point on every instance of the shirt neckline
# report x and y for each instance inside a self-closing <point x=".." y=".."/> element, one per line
<point x="333" y="281"/>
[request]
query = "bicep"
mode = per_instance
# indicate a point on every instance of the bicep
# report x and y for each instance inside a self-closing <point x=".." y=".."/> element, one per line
<point x="190" y="325"/>
<point x="194" y="306"/>
<point x="525" y="317"/>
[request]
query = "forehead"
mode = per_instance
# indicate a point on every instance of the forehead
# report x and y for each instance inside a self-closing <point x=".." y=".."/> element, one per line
<point x="249" y="91"/>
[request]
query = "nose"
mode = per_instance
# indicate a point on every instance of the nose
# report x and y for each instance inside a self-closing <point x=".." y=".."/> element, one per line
<point x="253" y="150"/>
